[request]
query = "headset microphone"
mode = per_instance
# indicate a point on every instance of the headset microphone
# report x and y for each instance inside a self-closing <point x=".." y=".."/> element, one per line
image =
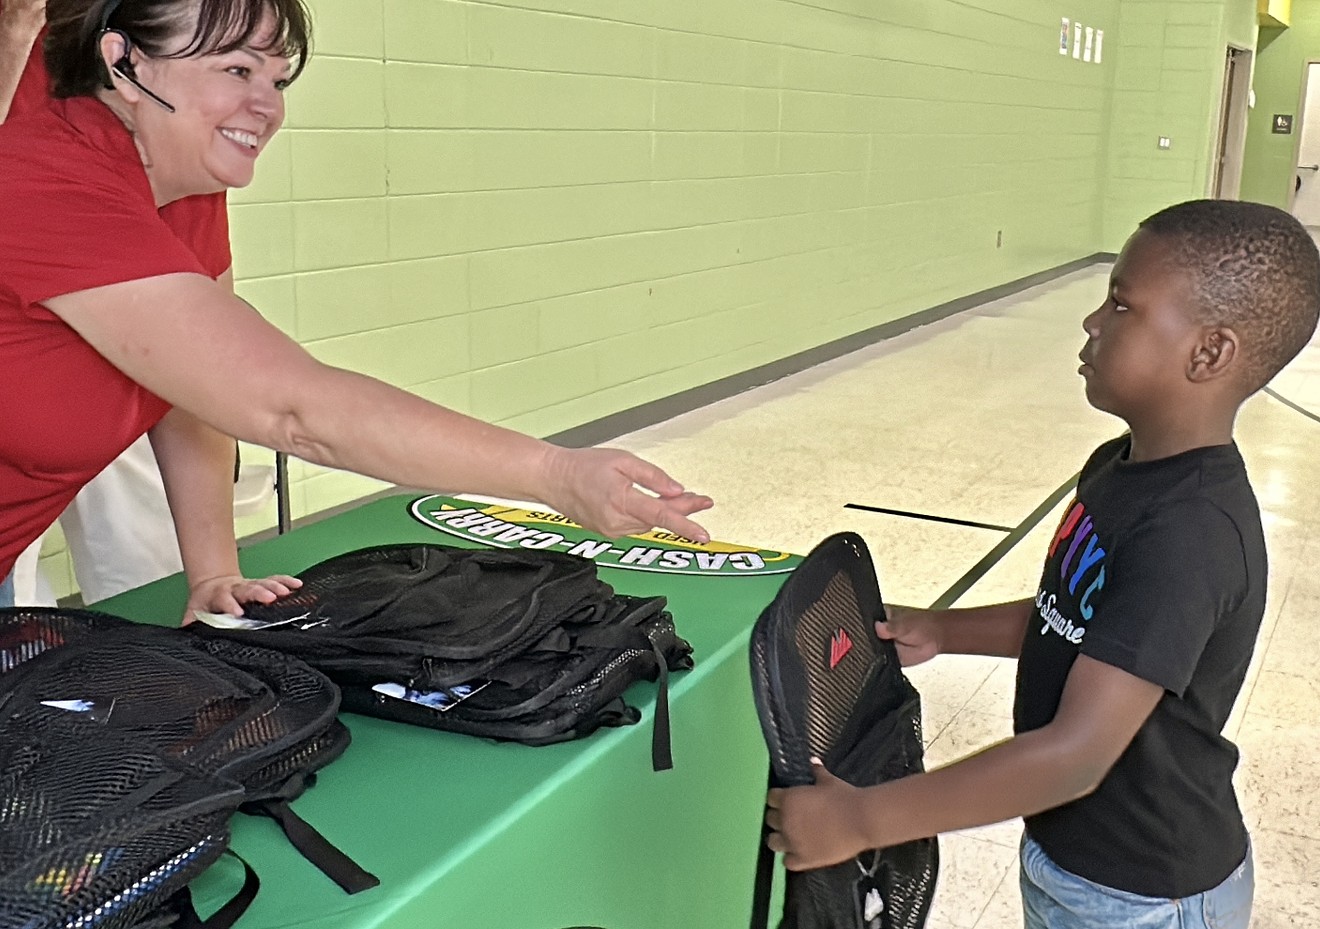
<point x="123" y="68"/>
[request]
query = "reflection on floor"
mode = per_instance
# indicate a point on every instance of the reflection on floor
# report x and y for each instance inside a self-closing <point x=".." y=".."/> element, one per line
<point x="980" y="418"/>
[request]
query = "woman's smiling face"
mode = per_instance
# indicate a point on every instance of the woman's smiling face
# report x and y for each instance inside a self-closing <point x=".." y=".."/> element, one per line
<point x="227" y="106"/>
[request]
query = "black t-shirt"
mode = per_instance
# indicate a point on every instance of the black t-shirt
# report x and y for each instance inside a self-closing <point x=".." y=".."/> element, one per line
<point x="1158" y="568"/>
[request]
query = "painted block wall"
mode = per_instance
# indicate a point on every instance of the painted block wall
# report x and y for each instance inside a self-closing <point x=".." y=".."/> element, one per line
<point x="546" y="211"/>
<point x="1267" y="172"/>
<point x="1168" y="82"/>
<point x="543" y="212"/>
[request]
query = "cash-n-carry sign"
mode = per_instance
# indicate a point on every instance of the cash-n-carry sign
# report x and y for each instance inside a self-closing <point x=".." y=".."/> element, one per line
<point x="657" y="551"/>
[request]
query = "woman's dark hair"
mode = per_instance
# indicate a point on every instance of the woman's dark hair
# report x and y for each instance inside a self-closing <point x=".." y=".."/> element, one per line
<point x="73" y="42"/>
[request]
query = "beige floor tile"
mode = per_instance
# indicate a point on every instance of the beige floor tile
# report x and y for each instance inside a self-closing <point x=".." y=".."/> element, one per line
<point x="1293" y="646"/>
<point x="1005" y="908"/>
<point x="995" y="695"/>
<point x="1287" y="880"/>
<point x="971" y="870"/>
<point x="951" y="680"/>
<point x="1279" y="770"/>
<point x="1291" y="698"/>
<point x="969" y="732"/>
<point x="935" y="717"/>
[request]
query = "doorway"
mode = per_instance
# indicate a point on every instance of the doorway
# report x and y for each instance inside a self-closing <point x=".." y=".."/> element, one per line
<point x="1232" y="139"/>
<point x="1306" y="157"/>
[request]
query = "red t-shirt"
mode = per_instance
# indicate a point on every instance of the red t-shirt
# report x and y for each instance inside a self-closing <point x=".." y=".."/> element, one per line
<point x="202" y="221"/>
<point x="78" y="213"/>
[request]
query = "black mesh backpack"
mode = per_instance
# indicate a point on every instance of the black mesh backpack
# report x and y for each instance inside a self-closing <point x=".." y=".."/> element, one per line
<point x="98" y="829"/>
<point x="511" y="644"/>
<point x="227" y="725"/>
<point x="826" y="686"/>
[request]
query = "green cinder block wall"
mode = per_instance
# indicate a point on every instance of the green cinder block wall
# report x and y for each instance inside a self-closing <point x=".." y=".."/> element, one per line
<point x="543" y="212"/>
<point x="1168" y="83"/>
<point x="1267" y="174"/>
<point x="547" y="211"/>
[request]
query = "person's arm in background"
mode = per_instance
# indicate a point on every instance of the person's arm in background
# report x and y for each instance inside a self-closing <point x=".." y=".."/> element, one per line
<point x="251" y="381"/>
<point x="197" y="466"/>
<point x="20" y="23"/>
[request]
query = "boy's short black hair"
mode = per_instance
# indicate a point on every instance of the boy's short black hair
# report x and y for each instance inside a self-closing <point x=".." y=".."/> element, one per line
<point x="1253" y="268"/>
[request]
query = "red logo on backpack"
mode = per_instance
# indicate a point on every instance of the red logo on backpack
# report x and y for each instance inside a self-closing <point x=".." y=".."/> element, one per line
<point x="840" y="645"/>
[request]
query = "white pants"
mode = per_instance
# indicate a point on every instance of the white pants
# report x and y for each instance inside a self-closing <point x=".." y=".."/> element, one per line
<point x="119" y="532"/>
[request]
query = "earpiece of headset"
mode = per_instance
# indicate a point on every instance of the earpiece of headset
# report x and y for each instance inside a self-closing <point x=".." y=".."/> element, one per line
<point x="123" y="67"/>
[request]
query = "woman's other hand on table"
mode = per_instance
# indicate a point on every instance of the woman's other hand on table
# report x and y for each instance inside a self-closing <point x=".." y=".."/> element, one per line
<point x="227" y="594"/>
<point x="603" y="489"/>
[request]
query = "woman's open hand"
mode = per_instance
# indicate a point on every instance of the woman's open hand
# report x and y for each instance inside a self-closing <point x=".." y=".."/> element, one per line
<point x="604" y="490"/>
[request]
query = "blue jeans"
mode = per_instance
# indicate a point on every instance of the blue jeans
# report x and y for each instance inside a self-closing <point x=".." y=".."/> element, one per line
<point x="1053" y="898"/>
<point x="7" y="592"/>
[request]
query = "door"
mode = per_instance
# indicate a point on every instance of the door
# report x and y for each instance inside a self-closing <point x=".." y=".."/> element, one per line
<point x="1306" y="203"/>
<point x="1227" y="181"/>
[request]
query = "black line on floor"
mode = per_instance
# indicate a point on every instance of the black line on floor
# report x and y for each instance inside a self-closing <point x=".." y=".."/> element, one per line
<point x="992" y="557"/>
<point x="927" y="516"/>
<point x="1288" y="403"/>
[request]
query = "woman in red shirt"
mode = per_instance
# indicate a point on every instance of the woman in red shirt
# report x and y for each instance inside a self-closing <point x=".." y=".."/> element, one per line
<point x="110" y="326"/>
<point x="118" y="528"/>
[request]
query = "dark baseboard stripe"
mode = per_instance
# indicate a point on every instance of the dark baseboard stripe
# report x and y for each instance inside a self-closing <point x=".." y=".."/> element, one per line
<point x="657" y="411"/>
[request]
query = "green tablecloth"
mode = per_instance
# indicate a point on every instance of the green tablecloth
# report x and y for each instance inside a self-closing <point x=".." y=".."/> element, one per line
<point x="467" y="833"/>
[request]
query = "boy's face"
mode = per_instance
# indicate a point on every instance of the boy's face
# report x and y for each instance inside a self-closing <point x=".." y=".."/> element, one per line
<point x="1142" y="338"/>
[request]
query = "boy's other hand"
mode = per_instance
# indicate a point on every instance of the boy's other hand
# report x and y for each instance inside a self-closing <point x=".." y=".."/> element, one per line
<point x="915" y="632"/>
<point x="815" y="826"/>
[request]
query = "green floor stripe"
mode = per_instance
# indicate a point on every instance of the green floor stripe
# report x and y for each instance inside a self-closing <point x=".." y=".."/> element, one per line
<point x="992" y="557"/>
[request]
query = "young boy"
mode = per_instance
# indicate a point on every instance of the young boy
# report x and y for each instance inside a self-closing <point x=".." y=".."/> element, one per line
<point x="1137" y="642"/>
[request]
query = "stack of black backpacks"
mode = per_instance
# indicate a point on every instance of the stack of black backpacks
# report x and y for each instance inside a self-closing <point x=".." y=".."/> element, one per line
<point x="124" y="751"/>
<point x="509" y="644"/>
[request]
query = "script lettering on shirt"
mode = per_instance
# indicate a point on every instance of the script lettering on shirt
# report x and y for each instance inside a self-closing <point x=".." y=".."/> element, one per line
<point x="1055" y="620"/>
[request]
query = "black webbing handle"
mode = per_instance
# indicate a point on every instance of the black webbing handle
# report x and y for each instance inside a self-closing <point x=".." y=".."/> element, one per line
<point x="316" y="848"/>
<point x="227" y="915"/>
<point x="765" y="874"/>
<point x="662" y="750"/>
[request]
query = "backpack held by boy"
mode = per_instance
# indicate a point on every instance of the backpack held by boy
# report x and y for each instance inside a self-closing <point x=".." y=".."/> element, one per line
<point x="826" y="687"/>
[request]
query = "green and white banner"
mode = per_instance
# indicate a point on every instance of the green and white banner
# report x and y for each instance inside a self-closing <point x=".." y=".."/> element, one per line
<point x="657" y="551"/>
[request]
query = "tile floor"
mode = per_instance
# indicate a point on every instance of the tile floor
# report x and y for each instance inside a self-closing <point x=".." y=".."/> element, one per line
<point x="981" y="417"/>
